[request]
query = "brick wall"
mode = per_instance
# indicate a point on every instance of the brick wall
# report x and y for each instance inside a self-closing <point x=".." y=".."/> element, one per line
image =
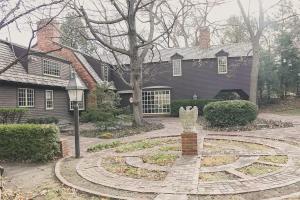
<point x="189" y="144"/>
<point x="47" y="39"/>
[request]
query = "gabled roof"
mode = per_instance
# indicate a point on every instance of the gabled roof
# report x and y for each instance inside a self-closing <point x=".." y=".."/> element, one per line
<point x="89" y="67"/>
<point x="190" y="53"/>
<point x="18" y="72"/>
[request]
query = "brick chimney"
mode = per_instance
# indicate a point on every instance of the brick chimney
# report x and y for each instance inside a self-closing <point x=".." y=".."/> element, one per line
<point x="47" y="35"/>
<point x="204" y="38"/>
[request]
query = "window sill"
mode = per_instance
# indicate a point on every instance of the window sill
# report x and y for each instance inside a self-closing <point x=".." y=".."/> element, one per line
<point x="52" y="76"/>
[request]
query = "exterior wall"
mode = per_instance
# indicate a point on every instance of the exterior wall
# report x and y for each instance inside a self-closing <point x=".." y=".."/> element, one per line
<point x="8" y="98"/>
<point x="47" y="39"/>
<point x="200" y="78"/>
<point x="35" y="67"/>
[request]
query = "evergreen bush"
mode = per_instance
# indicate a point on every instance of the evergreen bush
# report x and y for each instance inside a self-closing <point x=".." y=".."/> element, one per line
<point x="230" y="113"/>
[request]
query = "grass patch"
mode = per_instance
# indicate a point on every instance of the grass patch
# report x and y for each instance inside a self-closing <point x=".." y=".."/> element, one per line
<point x="225" y="144"/>
<point x="48" y="191"/>
<point x="143" y="144"/>
<point x="216" y="176"/>
<point x="99" y="147"/>
<point x="257" y="169"/>
<point x="170" y="148"/>
<point x="162" y="159"/>
<point x="274" y="159"/>
<point x="217" y="160"/>
<point x="118" y="165"/>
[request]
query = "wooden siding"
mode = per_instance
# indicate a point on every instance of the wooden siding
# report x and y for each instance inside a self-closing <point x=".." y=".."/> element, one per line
<point x="8" y="98"/>
<point x="200" y="77"/>
<point x="35" y="67"/>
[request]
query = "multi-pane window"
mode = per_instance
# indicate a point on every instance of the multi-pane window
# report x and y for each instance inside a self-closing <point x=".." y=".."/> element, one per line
<point x="80" y="104"/>
<point x="222" y="65"/>
<point x="49" y="99"/>
<point x="156" y="102"/>
<point x="25" y="97"/>
<point x="177" y="67"/>
<point x="51" y="68"/>
<point x="105" y="72"/>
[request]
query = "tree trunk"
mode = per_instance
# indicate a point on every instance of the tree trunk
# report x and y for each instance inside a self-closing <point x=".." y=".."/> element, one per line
<point x="136" y="67"/>
<point x="254" y="72"/>
<point x="137" y="95"/>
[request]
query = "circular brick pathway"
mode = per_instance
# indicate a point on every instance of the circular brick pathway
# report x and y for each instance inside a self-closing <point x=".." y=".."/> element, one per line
<point x="182" y="180"/>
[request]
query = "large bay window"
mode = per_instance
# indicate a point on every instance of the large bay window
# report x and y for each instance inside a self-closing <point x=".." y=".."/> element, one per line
<point x="156" y="102"/>
<point x="25" y="97"/>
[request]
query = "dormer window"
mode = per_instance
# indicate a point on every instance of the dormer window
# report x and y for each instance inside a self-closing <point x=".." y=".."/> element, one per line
<point x="222" y="65"/>
<point x="177" y="67"/>
<point x="51" y="68"/>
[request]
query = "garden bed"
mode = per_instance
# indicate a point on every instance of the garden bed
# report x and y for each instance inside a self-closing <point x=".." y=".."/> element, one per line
<point x="119" y="132"/>
<point x="257" y="124"/>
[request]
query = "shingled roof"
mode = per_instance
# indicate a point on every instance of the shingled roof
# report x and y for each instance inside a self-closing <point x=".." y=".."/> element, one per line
<point x="190" y="53"/>
<point x="18" y="72"/>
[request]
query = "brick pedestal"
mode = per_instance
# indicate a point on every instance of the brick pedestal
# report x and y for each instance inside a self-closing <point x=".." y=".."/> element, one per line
<point x="189" y="144"/>
<point x="64" y="148"/>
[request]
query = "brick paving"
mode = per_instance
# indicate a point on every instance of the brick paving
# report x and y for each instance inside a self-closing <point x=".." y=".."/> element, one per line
<point x="182" y="178"/>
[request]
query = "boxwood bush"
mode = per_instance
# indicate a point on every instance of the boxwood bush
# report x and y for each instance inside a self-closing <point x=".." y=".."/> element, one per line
<point x="28" y="142"/>
<point x="200" y="103"/>
<point x="11" y="115"/>
<point x="230" y="113"/>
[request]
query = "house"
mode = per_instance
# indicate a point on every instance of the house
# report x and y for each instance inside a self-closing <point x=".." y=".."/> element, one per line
<point x="168" y="74"/>
<point x="37" y="82"/>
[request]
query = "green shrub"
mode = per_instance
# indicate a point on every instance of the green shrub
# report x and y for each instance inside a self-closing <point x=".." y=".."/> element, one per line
<point x="106" y="110"/>
<point x="230" y="113"/>
<point x="200" y="103"/>
<point x="43" y="120"/>
<point x="28" y="142"/>
<point x="11" y="115"/>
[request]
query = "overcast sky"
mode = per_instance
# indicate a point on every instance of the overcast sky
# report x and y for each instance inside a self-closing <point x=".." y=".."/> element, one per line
<point x="220" y="13"/>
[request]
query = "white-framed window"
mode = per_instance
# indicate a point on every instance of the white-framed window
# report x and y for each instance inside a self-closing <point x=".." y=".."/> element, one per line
<point x="177" y="67"/>
<point x="105" y="71"/>
<point x="222" y="65"/>
<point x="25" y="97"/>
<point x="156" y="102"/>
<point x="81" y="105"/>
<point x="51" y="68"/>
<point x="49" y="99"/>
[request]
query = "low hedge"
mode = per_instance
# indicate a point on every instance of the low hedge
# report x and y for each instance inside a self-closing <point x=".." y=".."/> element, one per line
<point x="200" y="103"/>
<point x="11" y="115"/>
<point x="230" y="113"/>
<point x="28" y="142"/>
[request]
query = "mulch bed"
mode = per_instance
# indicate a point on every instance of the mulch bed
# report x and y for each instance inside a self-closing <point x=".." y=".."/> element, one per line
<point x="258" y="124"/>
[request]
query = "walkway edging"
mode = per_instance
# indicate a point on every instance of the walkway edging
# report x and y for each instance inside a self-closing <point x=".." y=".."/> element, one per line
<point x="81" y="189"/>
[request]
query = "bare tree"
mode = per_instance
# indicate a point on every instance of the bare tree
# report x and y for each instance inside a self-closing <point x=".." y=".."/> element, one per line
<point x="255" y="36"/>
<point x="128" y="31"/>
<point x="12" y="12"/>
<point x="193" y="17"/>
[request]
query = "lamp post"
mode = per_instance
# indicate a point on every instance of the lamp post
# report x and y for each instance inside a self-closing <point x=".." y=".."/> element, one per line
<point x="75" y="90"/>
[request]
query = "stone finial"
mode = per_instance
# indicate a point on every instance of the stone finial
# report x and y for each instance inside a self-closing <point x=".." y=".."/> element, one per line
<point x="188" y="118"/>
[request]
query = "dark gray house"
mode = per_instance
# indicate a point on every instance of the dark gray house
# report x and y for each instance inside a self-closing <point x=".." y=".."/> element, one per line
<point x="37" y="82"/>
<point x="187" y="73"/>
<point x="168" y="74"/>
